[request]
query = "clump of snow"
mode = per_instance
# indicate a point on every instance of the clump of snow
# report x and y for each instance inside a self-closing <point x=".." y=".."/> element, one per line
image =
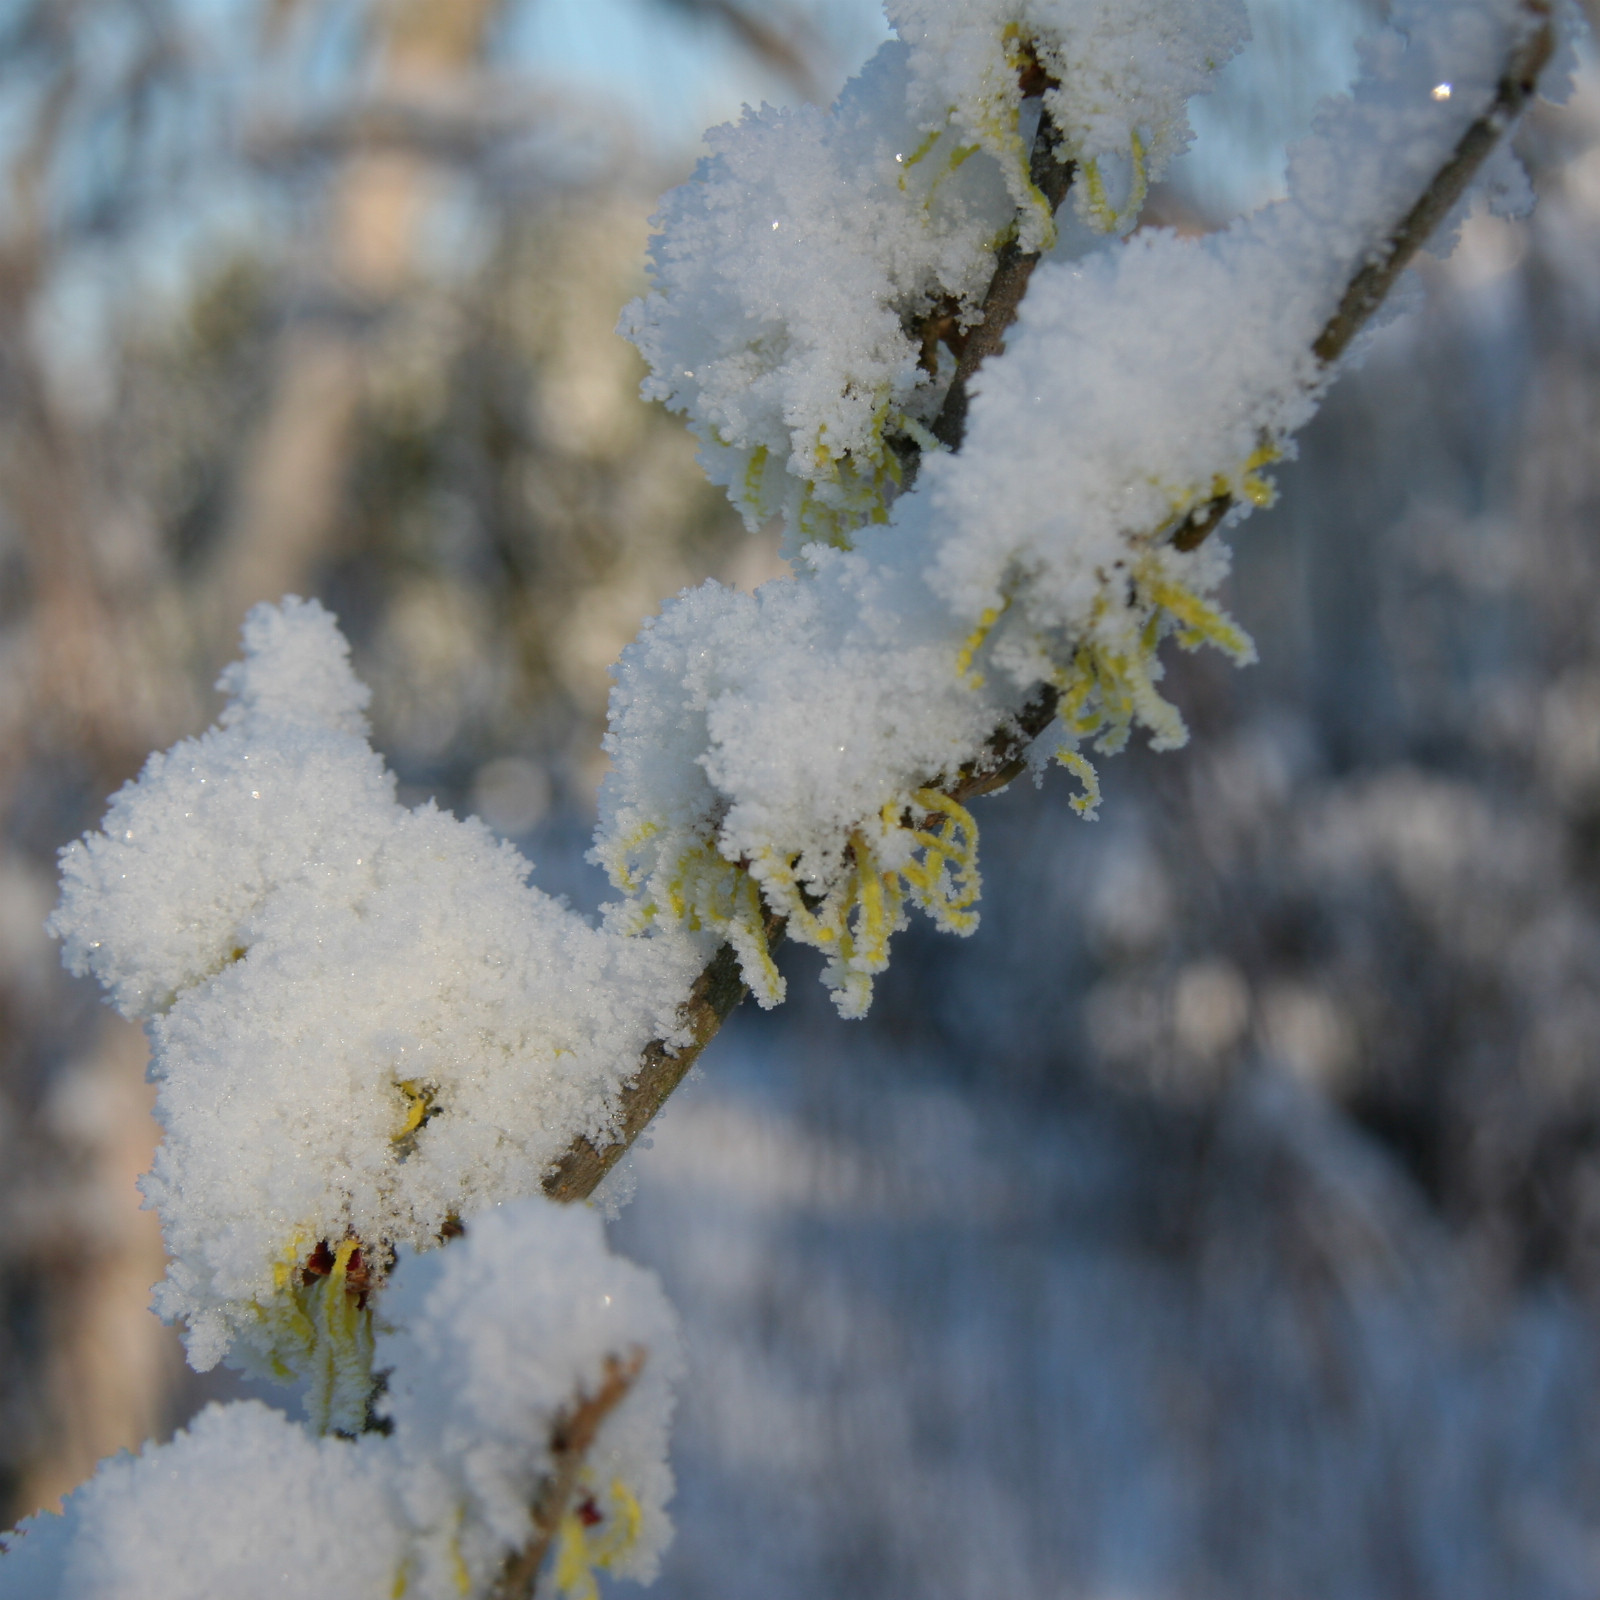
<point x="490" y="1347"/>
<point x="296" y="668"/>
<point x="363" y="1020"/>
<point x="1119" y="355"/>
<point x="244" y="1504"/>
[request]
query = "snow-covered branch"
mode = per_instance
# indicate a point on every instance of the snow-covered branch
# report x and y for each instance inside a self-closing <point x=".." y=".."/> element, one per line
<point x="519" y="1413"/>
<point x="1376" y="255"/>
<point x="370" y="1032"/>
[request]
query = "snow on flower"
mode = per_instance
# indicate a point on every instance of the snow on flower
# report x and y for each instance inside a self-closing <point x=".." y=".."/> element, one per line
<point x="364" y="1022"/>
<point x="1116" y="77"/>
<point x="490" y="1350"/>
<point x="786" y="755"/>
<point x="801" y="273"/>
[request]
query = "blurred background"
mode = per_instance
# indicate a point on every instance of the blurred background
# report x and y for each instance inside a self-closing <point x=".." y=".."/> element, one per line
<point x="1223" y="1219"/>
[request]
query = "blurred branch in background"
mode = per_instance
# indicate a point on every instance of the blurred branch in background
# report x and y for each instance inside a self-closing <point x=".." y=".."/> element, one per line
<point x="291" y="480"/>
<point x="778" y="35"/>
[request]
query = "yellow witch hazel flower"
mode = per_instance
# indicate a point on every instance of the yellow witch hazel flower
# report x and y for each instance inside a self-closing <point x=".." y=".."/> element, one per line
<point x="1106" y="685"/>
<point x="838" y="488"/>
<point x="599" y="1531"/>
<point x="1114" y="75"/>
<point x="767" y="770"/>
<point x="921" y="849"/>
<point x="1105" y="675"/>
<point x="316" y="1329"/>
<point x="684" y="881"/>
<point x="991" y="120"/>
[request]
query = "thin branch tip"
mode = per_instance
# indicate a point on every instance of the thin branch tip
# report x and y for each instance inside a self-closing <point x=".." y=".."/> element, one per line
<point x="572" y="1435"/>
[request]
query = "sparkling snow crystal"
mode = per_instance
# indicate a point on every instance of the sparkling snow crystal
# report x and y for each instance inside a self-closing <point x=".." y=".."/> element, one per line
<point x="364" y="1021"/>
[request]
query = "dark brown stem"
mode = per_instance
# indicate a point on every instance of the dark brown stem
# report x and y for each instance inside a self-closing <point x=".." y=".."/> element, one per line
<point x="1370" y="286"/>
<point x="572" y="1435"/>
<point x="712" y="1000"/>
<point x="1052" y="176"/>
<point x="1006" y="758"/>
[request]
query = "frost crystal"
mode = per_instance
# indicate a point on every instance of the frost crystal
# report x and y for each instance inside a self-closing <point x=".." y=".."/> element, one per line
<point x="364" y="1022"/>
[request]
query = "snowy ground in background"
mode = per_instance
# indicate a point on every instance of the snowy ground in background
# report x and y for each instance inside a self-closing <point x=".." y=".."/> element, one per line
<point x="940" y="1346"/>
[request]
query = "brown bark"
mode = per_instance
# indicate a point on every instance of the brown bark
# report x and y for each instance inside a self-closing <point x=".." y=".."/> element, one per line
<point x="716" y="993"/>
<point x="1052" y="176"/>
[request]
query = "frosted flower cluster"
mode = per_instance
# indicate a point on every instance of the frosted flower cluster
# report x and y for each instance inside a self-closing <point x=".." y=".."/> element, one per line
<point x="784" y="749"/>
<point x="488" y="1347"/>
<point x="784" y="755"/>
<point x="1174" y="370"/>
<point x="364" y="1022"/>
<point x="788" y="276"/>
<point x="803" y="274"/>
<point x="1119" y="76"/>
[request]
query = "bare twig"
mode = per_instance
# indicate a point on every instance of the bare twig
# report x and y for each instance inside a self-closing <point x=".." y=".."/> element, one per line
<point x="572" y="1435"/>
<point x="719" y="990"/>
<point x="1370" y="286"/>
<point x="716" y="993"/>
